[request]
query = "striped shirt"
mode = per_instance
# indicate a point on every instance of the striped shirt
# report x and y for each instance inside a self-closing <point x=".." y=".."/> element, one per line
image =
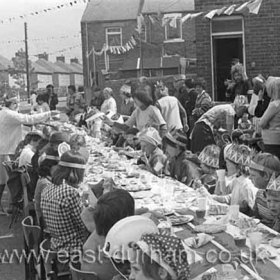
<point x="261" y="210"/>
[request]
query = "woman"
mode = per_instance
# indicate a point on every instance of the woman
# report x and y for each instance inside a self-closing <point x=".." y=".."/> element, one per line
<point x="127" y="105"/>
<point x="270" y="121"/>
<point x="171" y="109"/>
<point x="42" y="106"/>
<point x="145" y="113"/>
<point x="111" y="207"/>
<point x="240" y="84"/>
<point x="220" y="116"/>
<point x="11" y="132"/>
<point x="61" y="204"/>
<point x="109" y="104"/>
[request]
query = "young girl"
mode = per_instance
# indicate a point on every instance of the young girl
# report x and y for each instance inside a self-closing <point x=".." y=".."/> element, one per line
<point x="153" y="157"/>
<point x="209" y="159"/>
<point x="243" y="190"/>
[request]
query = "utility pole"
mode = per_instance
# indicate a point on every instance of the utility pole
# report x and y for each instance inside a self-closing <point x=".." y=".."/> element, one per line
<point x="26" y="62"/>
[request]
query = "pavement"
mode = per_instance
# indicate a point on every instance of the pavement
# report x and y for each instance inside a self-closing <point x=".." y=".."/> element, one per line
<point x="11" y="240"/>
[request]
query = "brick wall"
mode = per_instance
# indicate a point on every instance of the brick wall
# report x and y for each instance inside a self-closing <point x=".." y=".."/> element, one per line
<point x="262" y="39"/>
<point x="153" y="48"/>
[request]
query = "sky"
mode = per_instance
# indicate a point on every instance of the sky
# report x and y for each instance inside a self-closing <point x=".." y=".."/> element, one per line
<point x="48" y="27"/>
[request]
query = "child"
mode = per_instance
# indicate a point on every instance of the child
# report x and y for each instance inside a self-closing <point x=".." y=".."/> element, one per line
<point x="262" y="168"/>
<point x="131" y="139"/>
<point x="153" y="156"/>
<point x="243" y="190"/>
<point x="182" y="165"/>
<point x="209" y="158"/>
<point x="244" y="123"/>
<point x="273" y="201"/>
<point x="42" y="106"/>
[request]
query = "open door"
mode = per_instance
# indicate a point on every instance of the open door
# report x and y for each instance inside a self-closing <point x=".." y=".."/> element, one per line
<point x="225" y="49"/>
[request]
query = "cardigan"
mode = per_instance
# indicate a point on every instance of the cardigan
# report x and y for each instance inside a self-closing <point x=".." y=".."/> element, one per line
<point x="11" y="128"/>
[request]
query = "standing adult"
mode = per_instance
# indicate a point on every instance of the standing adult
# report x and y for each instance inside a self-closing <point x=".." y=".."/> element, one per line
<point x="97" y="98"/>
<point x="189" y="104"/>
<point x="109" y="104"/>
<point x="127" y="105"/>
<point x="52" y="97"/>
<point x="203" y="100"/>
<point x="11" y="132"/>
<point x="270" y="121"/>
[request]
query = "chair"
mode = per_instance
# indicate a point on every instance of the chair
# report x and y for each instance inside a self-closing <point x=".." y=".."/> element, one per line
<point x="32" y="238"/>
<point x="82" y="275"/>
<point x="51" y="263"/>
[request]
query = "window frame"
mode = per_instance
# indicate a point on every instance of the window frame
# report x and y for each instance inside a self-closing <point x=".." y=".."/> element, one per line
<point x="179" y="39"/>
<point x="108" y="33"/>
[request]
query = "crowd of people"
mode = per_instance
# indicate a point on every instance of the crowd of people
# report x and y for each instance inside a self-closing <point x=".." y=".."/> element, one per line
<point x="185" y="136"/>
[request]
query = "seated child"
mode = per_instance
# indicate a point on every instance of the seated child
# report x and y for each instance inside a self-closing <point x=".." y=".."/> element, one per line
<point x="243" y="190"/>
<point x="42" y="106"/>
<point x="244" y="123"/>
<point x="273" y="201"/>
<point x="153" y="157"/>
<point x="131" y="139"/>
<point x="209" y="158"/>
<point x="182" y="165"/>
<point x="262" y="168"/>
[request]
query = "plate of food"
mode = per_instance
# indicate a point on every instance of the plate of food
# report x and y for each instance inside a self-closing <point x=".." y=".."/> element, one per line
<point x="137" y="188"/>
<point x="164" y="211"/>
<point x="275" y="242"/>
<point x="180" y="220"/>
<point x="210" y="228"/>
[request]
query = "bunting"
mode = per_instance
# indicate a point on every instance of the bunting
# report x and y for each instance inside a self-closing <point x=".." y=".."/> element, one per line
<point x="117" y="50"/>
<point x="60" y="51"/>
<point x="44" y="11"/>
<point x="171" y="19"/>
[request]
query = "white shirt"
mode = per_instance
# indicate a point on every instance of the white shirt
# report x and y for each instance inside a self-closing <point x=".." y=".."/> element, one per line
<point x="109" y="105"/>
<point x="26" y="156"/>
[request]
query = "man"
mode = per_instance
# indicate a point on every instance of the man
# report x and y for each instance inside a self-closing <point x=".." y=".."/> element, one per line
<point x="75" y="102"/>
<point x="52" y="98"/>
<point x="180" y="90"/>
<point x="261" y="170"/>
<point x="97" y="98"/>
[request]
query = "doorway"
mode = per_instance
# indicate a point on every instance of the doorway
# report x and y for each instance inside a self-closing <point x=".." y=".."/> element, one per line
<point x="225" y="49"/>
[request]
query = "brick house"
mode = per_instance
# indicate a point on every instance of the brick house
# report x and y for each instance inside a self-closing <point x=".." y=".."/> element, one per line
<point x="163" y="51"/>
<point x="253" y="39"/>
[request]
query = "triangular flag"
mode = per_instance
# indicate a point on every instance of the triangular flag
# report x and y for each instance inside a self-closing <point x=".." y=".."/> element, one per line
<point x="254" y="7"/>
<point x="211" y="14"/>
<point x="220" y="11"/>
<point x="186" y="17"/>
<point x="196" y="15"/>
<point x="118" y="50"/>
<point x="133" y="41"/>
<point x="230" y="10"/>
<point x="243" y="6"/>
<point x="140" y="23"/>
<point x="165" y="20"/>
<point x="152" y="19"/>
<point x="173" y="22"/>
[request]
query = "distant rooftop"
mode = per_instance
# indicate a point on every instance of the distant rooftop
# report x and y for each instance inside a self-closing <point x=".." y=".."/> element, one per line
<point x="108" y="10"/>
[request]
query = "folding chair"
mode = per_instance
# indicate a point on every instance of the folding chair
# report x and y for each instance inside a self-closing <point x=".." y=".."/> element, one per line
<point x="32" y="238"/>
<point x="51" y="263"/>
<point x="82" y="275"/>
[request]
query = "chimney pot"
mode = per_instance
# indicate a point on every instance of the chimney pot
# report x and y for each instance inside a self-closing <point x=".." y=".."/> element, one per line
<point x="60" y="58"/>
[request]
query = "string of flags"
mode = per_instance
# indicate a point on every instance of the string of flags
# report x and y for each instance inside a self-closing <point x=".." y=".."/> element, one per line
<point x="253" y="6"/>
<point x="117" y="50"/>
<point x="60" y="51"/>
<point x="40" y="39"/>
<point x="44" y="11"/>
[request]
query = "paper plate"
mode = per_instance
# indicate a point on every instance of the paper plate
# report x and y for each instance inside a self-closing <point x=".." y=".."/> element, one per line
<point x="181" y="220"/>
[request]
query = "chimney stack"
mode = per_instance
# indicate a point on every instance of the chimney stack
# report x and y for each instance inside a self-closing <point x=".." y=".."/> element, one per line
<point x="43" y="56"/>
<point x="74" y="60"/>
<point x="60" y="58"/>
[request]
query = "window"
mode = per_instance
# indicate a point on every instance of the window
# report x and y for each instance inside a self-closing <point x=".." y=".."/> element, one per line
<point x="114" y="36"/>
<point x="143" y="34"/>
<point x="172" y="33"/>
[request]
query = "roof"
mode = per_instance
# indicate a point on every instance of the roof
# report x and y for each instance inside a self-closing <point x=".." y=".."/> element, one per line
<point x="5" y="63"/>
<point x="54" y="68"/>
<point x="167" y="6"/>
<point x="40" y="69"/>
<point x="111" y="10"/>
<point x="76" y="68"/>
<point x="152" y="63"/>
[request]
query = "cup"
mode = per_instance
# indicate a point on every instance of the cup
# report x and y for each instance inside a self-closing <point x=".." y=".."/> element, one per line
<point x="234" y="212"/>
<point x="200" y="214"/>
<point x="201" y="203"/>
<point x="255" y="239"/>
<point x="165" y="227"/>
<point x="221" y="173"/>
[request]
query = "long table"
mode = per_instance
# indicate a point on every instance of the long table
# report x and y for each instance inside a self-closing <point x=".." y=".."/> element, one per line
<point x="105" y="162"/>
